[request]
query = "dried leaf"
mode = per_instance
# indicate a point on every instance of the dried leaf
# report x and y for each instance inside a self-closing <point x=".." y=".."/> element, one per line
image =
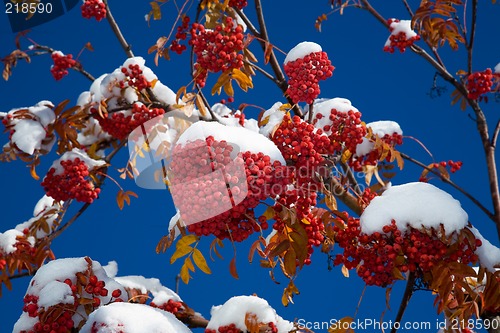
<point x="200" y="261"/>
<point x="232" y="268"/>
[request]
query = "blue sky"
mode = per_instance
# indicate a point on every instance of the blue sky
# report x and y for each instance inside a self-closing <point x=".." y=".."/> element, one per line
<point x="382" y="86"/>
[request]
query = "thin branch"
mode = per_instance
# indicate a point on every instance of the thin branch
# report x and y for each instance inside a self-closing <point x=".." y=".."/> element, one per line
<point x="264" y="38"/>
<point x="21" y="275"/>
<point x="352" y="178"/>
<point x="247" y="22"/>
<point x="404" y="302"/>
<point x="408" y="8"/>
<point x="262" y="71"/>
<point x="495" y="135"/>
<point x="472" y="35"/>
<point x="448" y="181"/>
<point x="78" y="67"/>
<point x="347" y="198"/>
<point x="114" y="26"/>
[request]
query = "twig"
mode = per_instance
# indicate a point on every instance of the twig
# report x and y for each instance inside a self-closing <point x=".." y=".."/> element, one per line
<point x="77" y="68"/>
<point x="262" y="71"/>
<point x="448" y="181"/>
<point x="273" y="61"/>
<point x="114" y="26"/>
<point x="21" y="275"/>
<point x="404" y="302"/>
<point x="495" y="135"/>
<point x="351" y="178"/>
<point x="472" y="35"/>
<point x="408" y="8"/>
<point x="247" y="21"/>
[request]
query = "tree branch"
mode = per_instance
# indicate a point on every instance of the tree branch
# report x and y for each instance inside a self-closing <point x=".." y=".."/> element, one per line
<point x="406" y="299"/>
<point x="448" y="181"/>
<point x="264" y="39"/>
<point x="116" y="29"/>
<point x="495" y="135"/>
<point x="470" y="45"/>
<point x="348" y="199"/>
<point x="408" y="8"/>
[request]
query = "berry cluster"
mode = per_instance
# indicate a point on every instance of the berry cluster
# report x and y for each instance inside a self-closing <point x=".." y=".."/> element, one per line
<point x="135" y="78"/>
<point x="94" y="8"/>
<point x="454" y="167"/>
<point x="216" y="50"/>
<point x="366" y="197"/>
<point x="180" y="35"/>
<point x="479" y="83"/>
<point x="61" y="65"/>
<point x="304" y="76"/>
<point x="374" y="156"/>
<point x="231" y="328"/>
<point x="381" y="257"/>
<point x="399" y="39"/>
<point x="301" y="143"/>
<point x="344" y="129"/>
<point x="240" y="4"/>
<point x="204" y="173"/>
<point x="170" y="306"/>
<point x="120" y="124"/>
<point x="72" y="183"/>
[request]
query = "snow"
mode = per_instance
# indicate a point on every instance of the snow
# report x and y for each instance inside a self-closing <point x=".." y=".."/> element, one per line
<point x="42" y="204"/>
<point x="301" y="50"/>
<point x="111" y="269"/>
<point x="380" y="128"/>
<point x="383" y="127"/>
<point x="173" y="223"/>
<point x="164" y="93"/>
<point x="132" y="318"/>
<point x="8" y="240"/>
<point x="497" y="68"/>
<point x="236" y="308"/>
<point x="29" y="133"/>
<point x="325" y="106"/>
<point x="71" y="156"/>
<point x="489" y="254"/>
<point x="161" y="294"/>
<point x="45" y="204"/>
<point x="55" y="292"/>
<point x="415" y="204"/>
<point x="401" y="26"/>
<point x="28" y="136"/>
<point x="274" y="116"/>
<point x="245" y="139"/>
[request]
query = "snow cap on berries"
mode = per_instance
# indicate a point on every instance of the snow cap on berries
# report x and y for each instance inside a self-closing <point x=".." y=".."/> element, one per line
<point x="235" y="310"/>
<point x="132" y="318"/>
<point x="497" y="68"/>
<point x="71" y="156"/>
<point x="415" y="205"/>
<point x="301" y="50"/>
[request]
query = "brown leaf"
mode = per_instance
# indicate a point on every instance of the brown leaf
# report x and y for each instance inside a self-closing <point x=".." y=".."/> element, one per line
<point x="156" y="10"/>
<point x="232" y="268"/>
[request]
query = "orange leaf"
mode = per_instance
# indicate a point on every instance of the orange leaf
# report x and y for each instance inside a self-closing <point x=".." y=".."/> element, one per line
<point x="232" y="268"/>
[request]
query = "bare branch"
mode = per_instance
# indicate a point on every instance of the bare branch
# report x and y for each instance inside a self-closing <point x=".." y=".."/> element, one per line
<point x="116" y="29"/>
<point x="262" y="71"/>
<point x="495" y="135"/>
<point x="404" y="302"/>
<point x="470" y="45"/>
<point x="408" y="8"/>
<point x="448" y="181"/>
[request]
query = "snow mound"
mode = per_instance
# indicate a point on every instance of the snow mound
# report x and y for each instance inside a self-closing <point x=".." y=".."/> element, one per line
<point x="398" y="27"/>
<point x="29" y="134"/>
<point x="236" y="308"/>
<point x="497" y="68"/>
<point x="9" y="238"/>
<point x="301" y="50"/>
<point x="245" y="139"/>
<point x="46" y="208"/>
<point x="414" y="204"/>
<point x="71" y="156"/>
<point x="161" y="294"/>
<point x="489" y="254"/>
<point x="383" y="127"/>
<point x="132" y="318"/>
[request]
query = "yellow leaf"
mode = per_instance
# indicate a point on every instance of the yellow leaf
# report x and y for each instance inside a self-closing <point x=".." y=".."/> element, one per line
<point x="200" y="261"/>
<point x="201" y="106"/>
<point x="187" y="240"/>
<point x="185" y="274"/>
<point x="290" y="262"/>
<point x="189" y="264"/>
<point x="228" y="88"/>
<point x="223" y="78"/>
<point x="180" y="252"/>
<point x="243" y="80"/>
<point x="331" y="202"/>
<point x="180" y="92"/>
<point x="156" y="10"/>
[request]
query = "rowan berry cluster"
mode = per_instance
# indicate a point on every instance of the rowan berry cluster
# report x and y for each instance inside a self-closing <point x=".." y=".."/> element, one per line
<point x="231" y="328"/>
<point x="94" y="8"/>
<point x="240" y="4"/>
<point x="454" y="166"/>
<point x="58" y="318"/>
<point x="479" y="83"/>
<point x="380" y="258"/>
<point x="61" y="64"/>
<point x="120" y="124"/>
<point x="344" y="130"/>
<point x="216" y="50"/>
<point x="135" y="78"/>
<point x="398" y="40"/>
<point x="238" y="186"/>
<point x="180" y="35"/>
<point x="72" y="183"/>
<point x="301" y="143"/>
<point x="304" y="76"/>
<point x="366" y="197"/>
<point x="170" y="306"/>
